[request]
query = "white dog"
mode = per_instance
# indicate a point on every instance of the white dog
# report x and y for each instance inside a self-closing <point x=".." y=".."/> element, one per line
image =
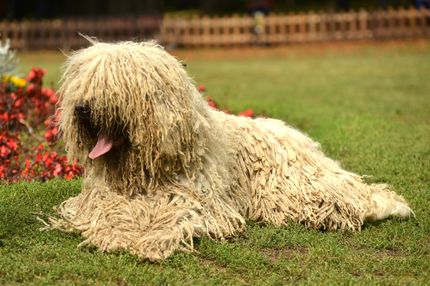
<point x="163" y="167"/>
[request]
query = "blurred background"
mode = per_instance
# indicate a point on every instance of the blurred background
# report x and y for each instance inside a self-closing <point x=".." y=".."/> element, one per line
<point x="43" y="9"/>
<point x="49" y="24"/>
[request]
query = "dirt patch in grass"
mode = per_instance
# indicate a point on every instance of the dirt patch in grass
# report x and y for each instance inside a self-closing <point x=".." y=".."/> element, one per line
<point x="381" y="252"/>
<point x="212" y="262"/>
<point x="390" y="252"/>
<point x="218" y="267"/>
<point x="275" y="254"/>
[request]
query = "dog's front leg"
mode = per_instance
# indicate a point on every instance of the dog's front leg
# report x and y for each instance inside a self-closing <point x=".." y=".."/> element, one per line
<point x="183" y="217"/>
<point x="160" y="244"/>
<point x="170" y="231"/>
<point x="172" y="228"/>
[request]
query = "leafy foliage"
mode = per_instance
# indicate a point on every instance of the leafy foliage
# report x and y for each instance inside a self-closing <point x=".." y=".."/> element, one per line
<point x="26" y="108"/>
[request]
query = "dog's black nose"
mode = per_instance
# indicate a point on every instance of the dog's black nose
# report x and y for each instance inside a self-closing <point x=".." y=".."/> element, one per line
<point x="83" y="111"/>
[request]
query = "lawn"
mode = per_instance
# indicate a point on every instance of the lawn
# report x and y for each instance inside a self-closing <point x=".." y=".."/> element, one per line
<point x="368" y="106"/>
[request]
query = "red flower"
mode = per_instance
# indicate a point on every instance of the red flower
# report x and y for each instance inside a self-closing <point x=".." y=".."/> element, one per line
<point x="247" y="113"/>
<point x="12" y="144"/>
<point x="211" y="102"/>
<point x="57" y="169"/>
<point x="4" y="151"/>
<point x="18" y="103"/>
<point x="2" y="171"/>
<point x="31" y="89"/>
<point x="201" y="88"/>
<point x="5" y="117"/>
<point x="36" y="75"/>
<point x="53" y="99"/>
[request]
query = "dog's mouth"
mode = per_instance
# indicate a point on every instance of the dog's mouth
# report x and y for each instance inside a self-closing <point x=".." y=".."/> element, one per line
<point x="104" y="144"/>
<point x="107" y="141"/>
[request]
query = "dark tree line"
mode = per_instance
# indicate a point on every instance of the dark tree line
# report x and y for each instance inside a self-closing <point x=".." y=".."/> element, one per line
<point x="19" y="9"/>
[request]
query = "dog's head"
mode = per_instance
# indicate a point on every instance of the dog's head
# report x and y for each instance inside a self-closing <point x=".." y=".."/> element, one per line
<point x="129" y="109"/>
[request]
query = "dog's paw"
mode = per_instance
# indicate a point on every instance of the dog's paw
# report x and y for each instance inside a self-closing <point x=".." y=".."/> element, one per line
<point x="158" y="245"/>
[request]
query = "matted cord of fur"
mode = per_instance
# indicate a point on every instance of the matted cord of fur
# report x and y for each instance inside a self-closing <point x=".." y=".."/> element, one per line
<point x="162" y="167"/>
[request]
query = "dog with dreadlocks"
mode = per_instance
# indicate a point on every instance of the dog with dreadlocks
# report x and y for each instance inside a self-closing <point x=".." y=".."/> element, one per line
<point x="162" y="167"/>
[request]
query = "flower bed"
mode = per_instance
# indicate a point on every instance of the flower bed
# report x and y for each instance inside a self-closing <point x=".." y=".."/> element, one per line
<point x="29" y="149"/>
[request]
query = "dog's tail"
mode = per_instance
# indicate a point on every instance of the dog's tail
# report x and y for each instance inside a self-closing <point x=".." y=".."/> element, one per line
<point x="387" y="203"/>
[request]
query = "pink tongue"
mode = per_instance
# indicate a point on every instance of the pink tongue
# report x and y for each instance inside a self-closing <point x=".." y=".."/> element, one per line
<point x="103" y="145"/>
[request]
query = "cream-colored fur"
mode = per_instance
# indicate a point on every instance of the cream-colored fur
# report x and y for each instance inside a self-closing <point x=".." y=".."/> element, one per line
<point x="184" y="170"/>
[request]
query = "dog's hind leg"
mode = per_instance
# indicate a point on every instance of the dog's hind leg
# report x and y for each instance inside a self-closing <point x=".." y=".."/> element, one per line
<point x="379" y="201"/>
<point x="385" y="203"/>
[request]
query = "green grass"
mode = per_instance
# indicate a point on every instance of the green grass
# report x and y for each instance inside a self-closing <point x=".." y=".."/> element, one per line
<point x="369" y="109"/>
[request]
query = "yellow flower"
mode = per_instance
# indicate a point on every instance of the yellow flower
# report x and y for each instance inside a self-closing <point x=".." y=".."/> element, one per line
<point x="17" y="81"/>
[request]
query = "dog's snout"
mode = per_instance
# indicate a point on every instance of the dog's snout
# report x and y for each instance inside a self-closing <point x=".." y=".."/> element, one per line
<point x="82" y="111"/>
